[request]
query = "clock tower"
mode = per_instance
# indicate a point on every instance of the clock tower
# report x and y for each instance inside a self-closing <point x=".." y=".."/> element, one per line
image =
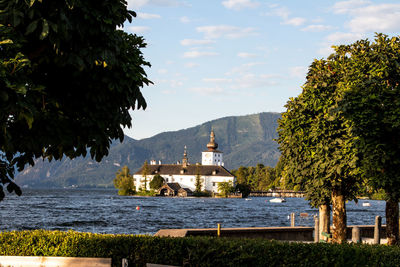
<point x="212" y="156"/>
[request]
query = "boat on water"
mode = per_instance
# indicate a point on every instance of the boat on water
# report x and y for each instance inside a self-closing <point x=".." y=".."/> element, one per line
<point x="366" y="204"/>
<point x="277" y="200"/>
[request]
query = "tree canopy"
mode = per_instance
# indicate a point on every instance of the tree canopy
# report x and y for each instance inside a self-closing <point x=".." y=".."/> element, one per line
<point x="372" y="102"/>
<point x="68" y="78"/>
<point x="157" y="182"/>
<point x="317" y="144"/>
<point x="123" y="181"/>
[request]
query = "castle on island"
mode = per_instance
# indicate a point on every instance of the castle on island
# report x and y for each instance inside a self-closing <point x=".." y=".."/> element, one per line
<point x="180" y="179"/>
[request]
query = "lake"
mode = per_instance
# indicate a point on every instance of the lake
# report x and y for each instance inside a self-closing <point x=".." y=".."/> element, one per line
<point x="103" y="211"/>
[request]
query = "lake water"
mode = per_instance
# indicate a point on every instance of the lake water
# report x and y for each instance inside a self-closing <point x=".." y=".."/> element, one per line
<point x="103" y="211"/>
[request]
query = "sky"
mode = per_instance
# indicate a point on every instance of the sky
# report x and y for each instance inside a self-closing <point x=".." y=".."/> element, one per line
<point x="217" y="58"/>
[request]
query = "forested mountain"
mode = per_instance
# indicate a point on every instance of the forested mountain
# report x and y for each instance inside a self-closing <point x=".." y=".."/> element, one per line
<point x="245" y="140"/>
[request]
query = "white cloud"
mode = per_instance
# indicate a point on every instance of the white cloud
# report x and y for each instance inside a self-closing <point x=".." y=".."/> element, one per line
<point x="162" y="71"/>
<point x="225" y="31"/>
<point x="283" y="12"/>
<point x="148" y="16"/>
<point x="298" y="71"/>
<point x="196" y="54"/>
<point x="240" y="4"/>
<point x="316" y="28"/>
<point x="138" y="29"/>
<point x="344" y="7"/>
<point x="191" y="65"/>
<point x="339" y="38"/>
<point x="246" y="55"/>
<point x="368" y="17"/>
<point x="188" y="42"/>
<point x="297" y="21"/>
<point x="185" y="19"/>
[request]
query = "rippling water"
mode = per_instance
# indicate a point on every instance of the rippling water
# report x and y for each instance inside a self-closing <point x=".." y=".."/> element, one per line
<point x="103" y="211"/>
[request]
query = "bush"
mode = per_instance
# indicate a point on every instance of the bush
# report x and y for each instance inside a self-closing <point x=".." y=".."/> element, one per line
<point x="194" y="251"/>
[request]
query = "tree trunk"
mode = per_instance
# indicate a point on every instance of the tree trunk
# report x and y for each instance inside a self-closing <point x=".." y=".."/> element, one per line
<point x="338" y="217"/>
<point x="392" y="222"/>
<point x="324" y="220"/>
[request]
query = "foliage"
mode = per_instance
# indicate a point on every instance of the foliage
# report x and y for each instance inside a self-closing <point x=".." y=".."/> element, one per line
<point x="317" y="145"/>
<point x="145" y="172"/>
<point x="193" y="251"/>
<point x="68" y="79"/>
<point x="147" y="193"/>
<point x="372" y="102"/>
<point x="197" y="183"/>
<point x="244" y="189"/>
<point x="260" y="178"/>
<point x="226" y="188"/>
<point x="123" y="181"/>
<point x="202" y="194"/>
<point x="157" y="182"/>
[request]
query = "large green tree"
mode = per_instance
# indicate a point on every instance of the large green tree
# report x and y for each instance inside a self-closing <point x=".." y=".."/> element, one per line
<point x="68" y="78"/>
<point x="123" y="181"/>
<point x="317" y="145"/>
<point x="372" y="103"/>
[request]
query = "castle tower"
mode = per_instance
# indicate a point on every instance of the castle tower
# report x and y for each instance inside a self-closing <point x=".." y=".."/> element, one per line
<point x="212" y="156"/>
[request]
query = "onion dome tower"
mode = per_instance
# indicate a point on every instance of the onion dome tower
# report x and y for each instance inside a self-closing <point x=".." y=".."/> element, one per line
<point x="212" y="145"/>
<point x="212" y="156"/>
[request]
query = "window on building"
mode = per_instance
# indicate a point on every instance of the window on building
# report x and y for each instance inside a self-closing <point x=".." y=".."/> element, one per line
<point x="166" y="179"/>
<point x="213" y="183"/>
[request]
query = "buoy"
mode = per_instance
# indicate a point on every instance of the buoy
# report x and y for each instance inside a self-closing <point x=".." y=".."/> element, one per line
<point x="137" y="208"/>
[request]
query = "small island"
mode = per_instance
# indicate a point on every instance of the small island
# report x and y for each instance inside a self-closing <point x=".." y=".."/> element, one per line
<point x="208" y="178"/>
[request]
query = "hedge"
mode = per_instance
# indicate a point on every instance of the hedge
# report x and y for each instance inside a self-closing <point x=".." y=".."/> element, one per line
<point x="194" y="251"/>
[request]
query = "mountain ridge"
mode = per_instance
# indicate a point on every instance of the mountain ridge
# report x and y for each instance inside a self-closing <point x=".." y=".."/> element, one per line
<point x="245" y="140"/>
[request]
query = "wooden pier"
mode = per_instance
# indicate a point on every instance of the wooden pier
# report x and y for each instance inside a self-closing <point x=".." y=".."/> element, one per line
<point x="277" y="193"/>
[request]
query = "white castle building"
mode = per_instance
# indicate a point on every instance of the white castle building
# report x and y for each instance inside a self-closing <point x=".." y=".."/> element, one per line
<point x="183" y="176"/>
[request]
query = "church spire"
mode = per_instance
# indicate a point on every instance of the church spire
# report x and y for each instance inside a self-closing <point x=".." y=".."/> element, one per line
<point x="212" y="145"/>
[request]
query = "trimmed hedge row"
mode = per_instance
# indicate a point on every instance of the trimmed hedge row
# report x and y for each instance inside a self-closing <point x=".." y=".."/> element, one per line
<point x="193" y="251"/>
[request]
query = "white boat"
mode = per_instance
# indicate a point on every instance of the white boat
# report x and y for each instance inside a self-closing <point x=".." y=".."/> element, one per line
<point x="277" y="200"/>
<point x="366" y="204"/>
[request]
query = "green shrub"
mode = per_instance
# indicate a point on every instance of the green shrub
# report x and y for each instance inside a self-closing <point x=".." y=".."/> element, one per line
<point x="194" y="251"/>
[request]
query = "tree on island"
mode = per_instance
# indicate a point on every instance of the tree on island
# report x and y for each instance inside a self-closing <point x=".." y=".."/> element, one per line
<point x="317" y="144"/>
<point x="372" y="102"/>
<point x="68" y="78"/>
<point x="226" y="188"/>
<point x="145" y="172"/>
<point x="157" y="182"/>
<point x="123" y="181"/>
<point x="198" y="184"/>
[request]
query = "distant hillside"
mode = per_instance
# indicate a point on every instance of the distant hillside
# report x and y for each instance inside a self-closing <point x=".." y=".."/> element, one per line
<point x="245" y="140"/>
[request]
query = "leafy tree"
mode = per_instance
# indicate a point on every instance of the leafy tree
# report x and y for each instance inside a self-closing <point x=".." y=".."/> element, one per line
<point x="244" y="189"/>
<point x="145" y="172"/>
<point x="157" y="182"/>
<point x="123" y="181"/>
<point x="68" y="78"/>
<point x="198" y="185"/>
<point x="372" y="102"/>
<point x="225" y="188"/>
<point x="317" y="145"/>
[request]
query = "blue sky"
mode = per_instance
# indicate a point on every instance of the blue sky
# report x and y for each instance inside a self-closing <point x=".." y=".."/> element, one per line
<point x="217" y="58"/>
